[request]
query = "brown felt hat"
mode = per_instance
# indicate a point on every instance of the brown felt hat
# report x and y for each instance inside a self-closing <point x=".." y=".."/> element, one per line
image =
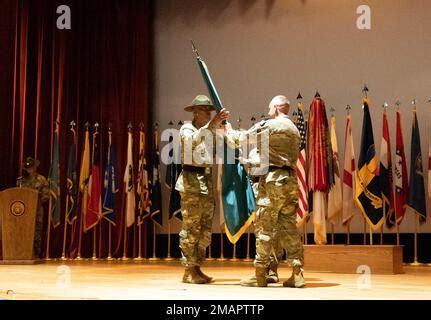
<point x="201" y="102"/>
<point x="29" y="163"/>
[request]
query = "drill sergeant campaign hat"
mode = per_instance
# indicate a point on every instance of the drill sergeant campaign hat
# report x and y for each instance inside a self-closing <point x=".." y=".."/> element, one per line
<point x="30" y="163"/>
<point x="201" y="102"/>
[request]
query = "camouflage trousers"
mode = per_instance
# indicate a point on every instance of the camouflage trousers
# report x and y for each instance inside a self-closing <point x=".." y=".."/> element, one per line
<point x="275" y="223"/>
<point x="195" y="235"/>
<point x="37" y="244"/>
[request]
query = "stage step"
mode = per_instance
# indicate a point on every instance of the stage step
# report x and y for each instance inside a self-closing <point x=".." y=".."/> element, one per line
<point x="376" y="259"/>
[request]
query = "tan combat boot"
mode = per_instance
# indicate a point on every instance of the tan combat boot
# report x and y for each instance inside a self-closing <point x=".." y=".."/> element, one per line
<point x="272" y="276"/>
<point x="296" y="280"/>
<point x="261" y="277"/>
<point x="203" y="275"/>
<point x="191" y="276"/>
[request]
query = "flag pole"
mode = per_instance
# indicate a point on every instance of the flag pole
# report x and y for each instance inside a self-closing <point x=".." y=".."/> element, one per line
<point x="94" y="243"/>
<point x="398" y="234"/>
<point x="222" y="258"/>
<point x="371" y="236"/>
<point x="63" y="254"/>
<point x="81" y="219"/>
<point x="306" y="230"/>
<point x="78" y="257"/>
<point x="210" y="258"/>
<point x="48" y="235"/>
<point x="139" y="257"/>
<point x="96" y="127"/>
<point x="332" y="233"/>
<point x="348" y="233"/>
<point x="234" y="258"/>
<point x="109" y="242"/>
<point x="169" y="258"/>
<point x="365" y="232"/>
<point x="125" y="258"/>
<point x="416" y="262"/>
<point x="154" y="257"/>
<point x="247" y="257"/>
<point x="47" y="258"/>
<point x="381" y="227"/>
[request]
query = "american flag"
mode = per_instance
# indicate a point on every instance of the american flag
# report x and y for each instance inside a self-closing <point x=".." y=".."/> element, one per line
<point x="301" y="167"/>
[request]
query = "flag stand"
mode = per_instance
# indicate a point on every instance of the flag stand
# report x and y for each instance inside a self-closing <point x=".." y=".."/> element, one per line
<point x="47" y="258"/>
<point x="169" y="258"/>
<point x="247" y="257"/>
<point x="63" y="254"/>
<point x="154" y="257"/>
<point x="416" y="262"/>
<point x="109" y="242"/>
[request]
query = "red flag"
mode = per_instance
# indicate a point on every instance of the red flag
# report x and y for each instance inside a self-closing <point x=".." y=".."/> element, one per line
<point x="349" y="174"/>
<point x="319" y="180"/>
<point x="94" y="205"/>
<point x="386" y="174"/>
<point x="401" y="182"/>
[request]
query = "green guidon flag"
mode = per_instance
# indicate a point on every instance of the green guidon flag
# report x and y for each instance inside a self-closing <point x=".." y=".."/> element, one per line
<point x="237" y="197"/>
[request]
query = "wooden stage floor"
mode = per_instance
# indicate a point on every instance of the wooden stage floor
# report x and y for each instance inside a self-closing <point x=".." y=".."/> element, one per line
<point x="161" y="280"/>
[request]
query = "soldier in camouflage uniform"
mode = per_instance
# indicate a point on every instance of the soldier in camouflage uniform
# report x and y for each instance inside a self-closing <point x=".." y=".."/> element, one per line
<point x="277" y="198"/>
<point x="31" y="179"/>
<point x="195" y="185"/>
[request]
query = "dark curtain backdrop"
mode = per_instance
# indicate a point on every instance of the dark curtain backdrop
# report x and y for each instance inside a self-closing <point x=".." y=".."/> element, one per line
<point x="99" y="71"/>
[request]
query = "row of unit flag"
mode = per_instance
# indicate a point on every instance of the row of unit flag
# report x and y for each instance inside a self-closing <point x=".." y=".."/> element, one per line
<point x="91" y="193"/>
<point x="329" y="194"/>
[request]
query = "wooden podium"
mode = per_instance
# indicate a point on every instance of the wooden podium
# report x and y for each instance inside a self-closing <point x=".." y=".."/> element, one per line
<point x="18" y="208"/>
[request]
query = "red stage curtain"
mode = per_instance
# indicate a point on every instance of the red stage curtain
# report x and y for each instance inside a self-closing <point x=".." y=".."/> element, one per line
<point x="99" y="71"/>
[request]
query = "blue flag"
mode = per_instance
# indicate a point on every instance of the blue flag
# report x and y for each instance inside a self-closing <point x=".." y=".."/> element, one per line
<point x="416" y="199"/>
<point x="54" y="182"/>
<point x="110" y="185"/>
<point x="72" y="187"/>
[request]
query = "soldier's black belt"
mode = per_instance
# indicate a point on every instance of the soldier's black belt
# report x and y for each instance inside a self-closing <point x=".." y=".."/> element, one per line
<point x="200" y="170"/>
<point x="273" y="168"/>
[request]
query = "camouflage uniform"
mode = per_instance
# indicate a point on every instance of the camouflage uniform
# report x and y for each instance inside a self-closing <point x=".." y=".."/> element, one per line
<point x="277" y="196"/>
<point x="39" y="183"/>
<point x="195" y="185"/>
<point x="277" y="191"/>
